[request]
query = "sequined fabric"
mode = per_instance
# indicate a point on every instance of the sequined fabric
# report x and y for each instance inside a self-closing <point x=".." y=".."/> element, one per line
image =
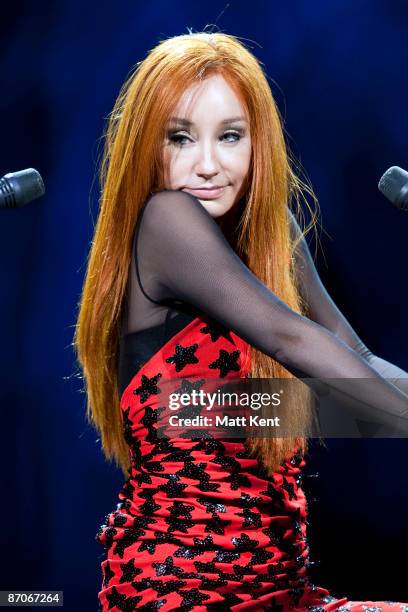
<point x="199" y="526"/>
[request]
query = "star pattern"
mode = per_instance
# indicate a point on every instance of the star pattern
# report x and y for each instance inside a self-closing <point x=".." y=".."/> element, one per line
<point x="226" y="362"/>
<point x="129" y="571"/>
<point x="183" y="356"/>
<point x="108" y="574"/>
<point x="148" y="387"/>
<point x="216" y="330"/>
<point x="289" y="488"/>
<point x="191" y="598"/>
<point x="126" y="604"/>
<point x="199" y="517"/>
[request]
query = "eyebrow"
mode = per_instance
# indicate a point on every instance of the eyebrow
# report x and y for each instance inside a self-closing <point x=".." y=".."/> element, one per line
<point x="187" y="122"/>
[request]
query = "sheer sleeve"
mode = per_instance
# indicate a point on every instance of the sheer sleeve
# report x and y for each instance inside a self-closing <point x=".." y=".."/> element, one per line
<point x="182" y="254"/>
<point x="323" y="310"/>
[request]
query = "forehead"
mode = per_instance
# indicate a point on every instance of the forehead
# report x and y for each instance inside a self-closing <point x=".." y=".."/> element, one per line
<point x="211" y="98"/>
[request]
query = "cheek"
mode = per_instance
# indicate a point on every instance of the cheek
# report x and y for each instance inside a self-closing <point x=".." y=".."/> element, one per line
<point x="239" y="160"/>
<point x="241" y="166"/>
<point x="177" y="169"/>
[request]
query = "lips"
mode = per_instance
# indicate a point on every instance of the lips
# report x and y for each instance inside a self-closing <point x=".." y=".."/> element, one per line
<point x="206" y="194"/>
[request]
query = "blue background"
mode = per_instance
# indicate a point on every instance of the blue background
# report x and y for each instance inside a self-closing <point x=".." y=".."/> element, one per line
<point x="338" y="71"/>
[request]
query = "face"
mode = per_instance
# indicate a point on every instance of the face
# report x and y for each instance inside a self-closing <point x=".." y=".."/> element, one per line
<point x="207" y="147"/>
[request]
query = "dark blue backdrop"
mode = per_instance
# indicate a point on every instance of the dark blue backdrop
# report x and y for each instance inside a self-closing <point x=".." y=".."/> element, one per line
<point x="340" y="73"/>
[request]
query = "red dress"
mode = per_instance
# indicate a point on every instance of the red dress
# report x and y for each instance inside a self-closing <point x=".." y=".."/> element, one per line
<point x="199" y="526"/>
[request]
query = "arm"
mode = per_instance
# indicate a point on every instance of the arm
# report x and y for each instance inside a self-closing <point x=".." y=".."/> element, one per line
<point x="323" y="310"/>
<point x="182" y="254"/>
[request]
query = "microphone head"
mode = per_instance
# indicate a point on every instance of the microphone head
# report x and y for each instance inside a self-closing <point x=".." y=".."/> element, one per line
<point x="25" y="186"/>
<point x="394" y="186"/>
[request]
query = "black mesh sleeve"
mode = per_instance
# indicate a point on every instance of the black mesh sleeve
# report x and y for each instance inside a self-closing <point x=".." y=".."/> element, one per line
<point x="182" y="254"/>
<point x="323" y="310"/>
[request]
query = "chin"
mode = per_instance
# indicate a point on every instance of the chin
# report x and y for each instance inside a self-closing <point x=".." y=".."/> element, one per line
<point x="215" y="208"/>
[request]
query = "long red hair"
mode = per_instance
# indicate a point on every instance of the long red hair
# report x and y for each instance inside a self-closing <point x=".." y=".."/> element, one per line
<point x="132" y="167"/>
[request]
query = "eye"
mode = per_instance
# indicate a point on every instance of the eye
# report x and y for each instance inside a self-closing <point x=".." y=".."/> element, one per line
<point x="178" y="139"/>
<point x="236" y="136"/>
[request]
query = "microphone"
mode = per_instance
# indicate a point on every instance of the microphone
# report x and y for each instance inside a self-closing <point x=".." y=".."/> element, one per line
<point x="394" y="185"/>
<point x="18" y="188"/>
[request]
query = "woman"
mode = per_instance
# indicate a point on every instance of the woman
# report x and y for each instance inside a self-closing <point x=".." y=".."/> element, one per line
<point x="182" y="283"/>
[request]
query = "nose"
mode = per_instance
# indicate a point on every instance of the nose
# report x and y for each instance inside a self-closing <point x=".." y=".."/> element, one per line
<point x="207" y="163"/>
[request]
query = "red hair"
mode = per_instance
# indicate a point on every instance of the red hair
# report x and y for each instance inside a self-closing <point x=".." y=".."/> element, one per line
<point x="132" y="167"/>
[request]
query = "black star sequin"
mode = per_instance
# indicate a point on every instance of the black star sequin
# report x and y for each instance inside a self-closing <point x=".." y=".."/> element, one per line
<point x="226" y="362"/>
<point x="167" y="568"/>
<point x="216" y="330"/>
<point x="183" y="356"/>
<point x="260" y="555"/>
<point x="108" y="533"/>
<point x="129" y="571"/>
<point x="143" y="478"/>
<point x="206" y="567"/>
<point x="163" y="587"/>
<point x="187" y="552"/>
<point x="237" y="481"/>
<point x="230" y="599"/>
<point x="239" y="570"/>
<point x="204" y="544"/>
<point x="127" y="489"/>
<point x="246" y="501"/>
<point x="151" y="416"/>
<point x="148" y="387"/>
<point x="244" y="542"/>
<point x="127" y="426"/>
<point x="216" y="525"/>
<point x="180" y="509"/>
<point x="108" y="574"/>
<point x="135" y="453"/>
<point x="205" y="486"/>
<point x="274" y="494"/>
<point x="228" y="463"/>
<point x="142" y="522"/>
<point x="210" y="446"/>
<point x="173" y="488"/>
<point x="127" y="604"/>
<point x="289" y="488"/>
<point x="178" y="455"/>
<point x="191" y="598"/>
<point x="153" y="466"/>
<point x="119" y="519"/>
<point x="188" y="387"/>
<point x="274" y="569"/>
<point x="130" y="536"/>
<point x="211" y="505"/>
<point x="190" y="411"/>
<point x="195" y="471"/>
<point x="149" y="545"/>
<point x="179" y="524"/>
<point x="252" y="519"/>
<point x="226" y="556"/>
<point x="130" y="604"/>
<point x="210" y="584"/>
<point x="163" y="445"/>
